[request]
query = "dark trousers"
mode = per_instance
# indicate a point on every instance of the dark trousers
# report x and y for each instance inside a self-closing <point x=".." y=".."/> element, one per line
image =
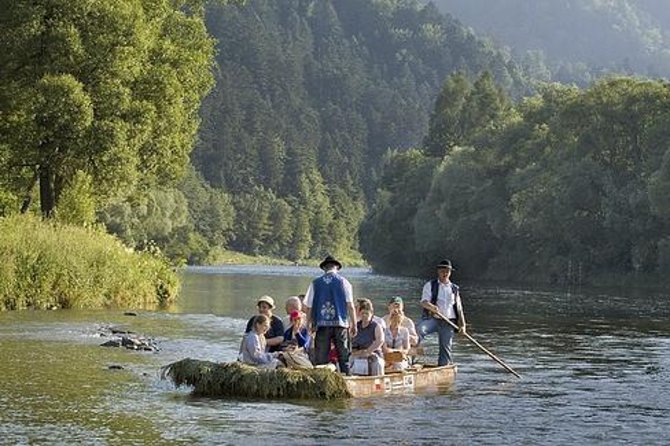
<point x="323" y="338"/>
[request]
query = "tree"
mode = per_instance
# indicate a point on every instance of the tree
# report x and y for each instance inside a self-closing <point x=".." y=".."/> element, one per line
<point x="279" y="245"/>
<point x="253" y="220"/>
<point x="110" y="89"/>
<point x="446" y="128"/>
<point x="463" y="212"/>
<point x="464" y="112"/>
<point x="487" y="109"/>
<point x="77" y="205"/>
<point x="210" y="210"/>
<point x="314" y="201"/>
<point x="387" y="235"/>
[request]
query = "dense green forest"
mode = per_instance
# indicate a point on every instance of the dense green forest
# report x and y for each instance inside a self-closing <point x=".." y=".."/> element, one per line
<point x="101" y="106"/>
<point x="575" y="40"/>
<point x="566" y="186"/>
<point x="309" y="97"/>
<point x="375" y="129"/>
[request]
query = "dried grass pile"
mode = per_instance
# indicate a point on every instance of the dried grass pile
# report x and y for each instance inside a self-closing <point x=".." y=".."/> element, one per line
<point x="235" y="379"/>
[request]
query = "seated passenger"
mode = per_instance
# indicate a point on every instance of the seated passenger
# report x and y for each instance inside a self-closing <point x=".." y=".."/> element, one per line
<point x="275" y="335"/>
<point x="253" y="346"/>
<point x="363" y="302"/>
<point x="396" y="341"/>
<point x="297" y="334"/>
<point x="396" y="302"/>
<point x="293" y="303"/>
<point x="366" y="346"/>
<point x="297" y="342"/>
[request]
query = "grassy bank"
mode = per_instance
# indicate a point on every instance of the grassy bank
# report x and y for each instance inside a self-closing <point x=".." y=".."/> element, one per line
<point x="223" y="257"/>
<point x="47" y="265"/>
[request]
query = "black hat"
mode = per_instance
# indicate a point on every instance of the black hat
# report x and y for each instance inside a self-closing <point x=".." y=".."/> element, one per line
<point x="330" y="260"/>
<point x="445" y="264"/>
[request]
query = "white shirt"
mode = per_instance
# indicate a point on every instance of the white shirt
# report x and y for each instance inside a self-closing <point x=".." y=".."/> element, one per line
<point x="445" y="298"/>
<point x="408" y="324"/>
<point x="348" y="290"/>
<point x="401" y="340"/>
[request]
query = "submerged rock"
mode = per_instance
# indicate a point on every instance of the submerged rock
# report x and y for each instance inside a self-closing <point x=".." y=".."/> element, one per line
<point x="120" y="331"/>
<point x="127" y="339"/>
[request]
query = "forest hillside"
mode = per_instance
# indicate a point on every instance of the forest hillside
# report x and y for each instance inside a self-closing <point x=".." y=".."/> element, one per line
<point x="310" y="95"/>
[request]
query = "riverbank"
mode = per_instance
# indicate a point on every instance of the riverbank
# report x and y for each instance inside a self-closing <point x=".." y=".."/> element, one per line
<point x="48" y="265"/>
<point x="223" y="257"/>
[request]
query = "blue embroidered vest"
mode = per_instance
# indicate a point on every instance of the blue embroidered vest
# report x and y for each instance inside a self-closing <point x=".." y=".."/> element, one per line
<point x="329" y="306"/>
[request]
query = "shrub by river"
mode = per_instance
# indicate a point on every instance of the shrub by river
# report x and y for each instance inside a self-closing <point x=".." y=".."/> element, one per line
<point x="46" y="265"/>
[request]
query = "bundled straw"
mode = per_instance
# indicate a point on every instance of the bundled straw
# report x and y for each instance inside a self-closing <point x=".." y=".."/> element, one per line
<point x="235" y="379"/>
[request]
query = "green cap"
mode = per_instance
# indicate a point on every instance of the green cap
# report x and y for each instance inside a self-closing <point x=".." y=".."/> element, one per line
<point x="395" y="300"/>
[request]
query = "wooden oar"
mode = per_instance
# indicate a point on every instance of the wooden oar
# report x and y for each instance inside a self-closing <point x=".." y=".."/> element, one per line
<point x="474" y="341"/>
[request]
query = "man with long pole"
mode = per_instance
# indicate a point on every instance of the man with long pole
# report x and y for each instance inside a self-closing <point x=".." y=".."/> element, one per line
<point x="443" y="313"/>
<point x="441" y="297"/>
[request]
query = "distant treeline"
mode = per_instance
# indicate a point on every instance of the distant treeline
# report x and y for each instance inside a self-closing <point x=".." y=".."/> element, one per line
<point x="568" y="185"/>
<point x="575" y="40"/>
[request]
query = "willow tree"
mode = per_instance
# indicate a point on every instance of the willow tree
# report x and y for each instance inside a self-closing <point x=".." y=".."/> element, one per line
<point x="111" y="89"/>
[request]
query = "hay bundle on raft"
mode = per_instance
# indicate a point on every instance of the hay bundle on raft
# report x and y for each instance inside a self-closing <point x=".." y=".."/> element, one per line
<point x="234" y="379"/>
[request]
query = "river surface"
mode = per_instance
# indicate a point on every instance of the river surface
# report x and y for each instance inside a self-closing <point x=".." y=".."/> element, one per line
<point x="595" y="367"/>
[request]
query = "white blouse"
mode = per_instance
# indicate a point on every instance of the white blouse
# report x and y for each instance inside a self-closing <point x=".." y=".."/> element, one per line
<point x="399" y="341"/>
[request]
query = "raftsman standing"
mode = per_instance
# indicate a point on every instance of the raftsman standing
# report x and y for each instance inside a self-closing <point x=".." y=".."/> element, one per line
<point x="441" y="295"/>
<point x="329" y="305"/>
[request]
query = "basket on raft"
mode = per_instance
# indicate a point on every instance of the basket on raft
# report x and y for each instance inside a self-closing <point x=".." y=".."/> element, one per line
<point x="235" y="379"/>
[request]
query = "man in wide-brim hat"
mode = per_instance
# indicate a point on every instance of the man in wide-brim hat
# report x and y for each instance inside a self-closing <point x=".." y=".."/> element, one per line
<point x="329" y="305"/>
<point x="275" y="335"/>
<point x="330" y="262"/>
<point x="441" y="296"/>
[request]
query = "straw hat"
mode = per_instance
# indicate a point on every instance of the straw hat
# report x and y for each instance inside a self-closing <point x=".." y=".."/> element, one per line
<point x="268" y="300"/>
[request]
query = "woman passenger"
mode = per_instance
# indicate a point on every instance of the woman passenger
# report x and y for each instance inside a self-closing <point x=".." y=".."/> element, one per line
<point x="365" y="302"/>
<point x="396" y="303"/>
<point x="366" y="353"/>
<point x="396" y="341"/>
<point x="275" y="334"/>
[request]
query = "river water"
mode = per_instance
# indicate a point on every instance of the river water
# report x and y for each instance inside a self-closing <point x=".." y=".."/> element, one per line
<point x="595" y="367"/>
